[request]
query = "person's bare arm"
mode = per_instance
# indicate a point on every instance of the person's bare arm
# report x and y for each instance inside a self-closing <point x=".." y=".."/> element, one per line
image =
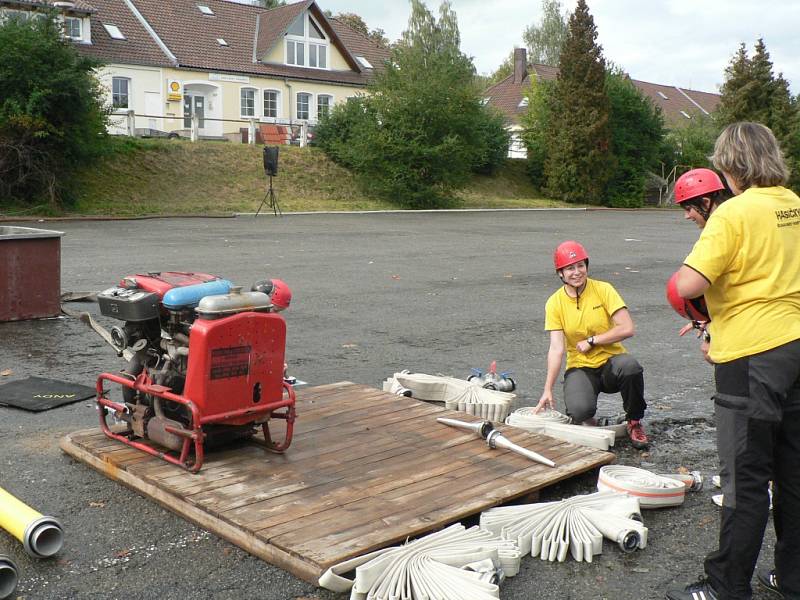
<point x="555" y="356"/>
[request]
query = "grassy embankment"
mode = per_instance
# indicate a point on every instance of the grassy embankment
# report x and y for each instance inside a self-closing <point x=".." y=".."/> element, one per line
<point x="160" y="177"/>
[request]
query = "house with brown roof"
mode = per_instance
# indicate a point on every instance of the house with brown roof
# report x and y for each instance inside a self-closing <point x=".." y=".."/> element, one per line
<point x="218" y="61"/>
<point x="678" y="105"/>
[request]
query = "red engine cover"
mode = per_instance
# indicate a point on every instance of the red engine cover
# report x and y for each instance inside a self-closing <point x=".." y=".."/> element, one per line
<point x="236" y="363"/>
<point x="161" y="283"/>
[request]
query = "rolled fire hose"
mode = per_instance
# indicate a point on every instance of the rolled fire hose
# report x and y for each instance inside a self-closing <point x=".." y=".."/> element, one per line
<point x="41" y="536"/>
<point x="455" y="563"/>
<point x="457" y="394"/>
<point x="9" y="576"/>
<point x="557" y="425"/>
<point x="576" y="525"/>
<point x="652" y="490"/>
<point x="495" y="439"/>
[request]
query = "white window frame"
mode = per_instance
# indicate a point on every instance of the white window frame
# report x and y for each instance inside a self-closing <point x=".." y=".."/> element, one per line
<point x="331" y="101"/>
<point x="278" y="104"/>
<point x="306" y="42"/>
<point x="114" y="32"/>
<point x="128" y="106"/>
<point x="312" y="106"/>
<point x="256" y="95"/>
<point x="68" y="19"/>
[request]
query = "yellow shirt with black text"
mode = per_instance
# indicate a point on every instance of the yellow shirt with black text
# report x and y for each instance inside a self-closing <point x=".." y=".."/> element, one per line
<point x="582" y="317"/>
<point x="749" y="251"/>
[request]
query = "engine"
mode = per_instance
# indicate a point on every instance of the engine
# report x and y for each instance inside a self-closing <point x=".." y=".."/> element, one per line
<point x="205" y="363"/>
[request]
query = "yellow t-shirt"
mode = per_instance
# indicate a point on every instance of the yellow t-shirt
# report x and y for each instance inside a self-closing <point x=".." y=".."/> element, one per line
<point x="749" y="251"/>
<point x="580" y="318"/>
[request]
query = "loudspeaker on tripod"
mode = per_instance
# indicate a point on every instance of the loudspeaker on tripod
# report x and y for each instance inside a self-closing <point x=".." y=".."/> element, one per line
<point x="271" y="160"/>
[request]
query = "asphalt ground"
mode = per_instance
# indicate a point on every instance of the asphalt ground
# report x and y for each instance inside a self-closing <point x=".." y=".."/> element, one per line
<point x="373" y="294"/>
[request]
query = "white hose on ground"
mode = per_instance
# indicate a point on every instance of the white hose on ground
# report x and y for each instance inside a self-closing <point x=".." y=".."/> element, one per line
<point x="450" y="564"/>
<point x="555" y="424"/>
<point x="652" y="490"/>
<point x="576" y="525"/>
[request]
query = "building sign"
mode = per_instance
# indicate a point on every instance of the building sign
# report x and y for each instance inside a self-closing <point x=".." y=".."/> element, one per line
<point x="174" y="90"/>
<point x="226" y="77"/>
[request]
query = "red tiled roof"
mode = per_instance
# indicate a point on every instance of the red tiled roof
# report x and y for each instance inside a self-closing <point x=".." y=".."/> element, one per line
<point x="137" y="48"/>
<point x="79" y="5"/>
<point x="249" y="31"/>
<point x="506" y="96"/>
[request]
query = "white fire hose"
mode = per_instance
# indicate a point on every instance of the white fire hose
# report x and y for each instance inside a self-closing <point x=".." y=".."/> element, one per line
<point x="652" y="490"/>
<point x="452" y="564"/>
<point x="557" y="425"/>
<point x="576" y="525"/>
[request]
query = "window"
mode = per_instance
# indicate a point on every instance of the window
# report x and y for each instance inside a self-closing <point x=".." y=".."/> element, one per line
<point x="324" y="103"/>
<point x="222" y="42"/>
<point x="303" y="106"/>
<point x="120" y="93"/>
<point x="248" y="96"/>
<point x="113" y="31"/>
<point x="271" y="102"/>
<point x="306" y="44"/>
<point x="486" y="100"/>
<point x="685" y="114"/>
<point x="663" y="95"/>
<point x="364" y="62"/>
<point x="10" y="14"/>
<point x="523" y="103"/>
<point x="205" y="9"/>
<point x="72" y="28"/>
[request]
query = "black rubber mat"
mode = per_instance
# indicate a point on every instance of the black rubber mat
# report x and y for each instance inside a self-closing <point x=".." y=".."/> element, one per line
<point x="37" y="393"/>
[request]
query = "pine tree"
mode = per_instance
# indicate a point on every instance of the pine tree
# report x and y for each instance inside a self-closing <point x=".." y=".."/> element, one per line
<point x="579" y="162"/>
<point x="734" y="99"/>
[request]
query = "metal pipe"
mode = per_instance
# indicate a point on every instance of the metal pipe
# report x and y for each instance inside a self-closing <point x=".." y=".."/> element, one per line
<point x="495" y="439"/>
<point x="498" y="440"/>
<point x="9" y="576"/>
<point x="40" y="535"/>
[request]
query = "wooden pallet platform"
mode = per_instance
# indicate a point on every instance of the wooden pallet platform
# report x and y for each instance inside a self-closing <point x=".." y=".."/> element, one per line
<point x="366" y="470"/>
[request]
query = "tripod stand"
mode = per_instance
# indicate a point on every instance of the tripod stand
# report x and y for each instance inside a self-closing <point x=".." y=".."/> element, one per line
<point x="273" y="200"/>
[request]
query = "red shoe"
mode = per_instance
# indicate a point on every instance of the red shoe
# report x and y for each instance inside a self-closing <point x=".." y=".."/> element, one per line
<point x="638" y="436"/>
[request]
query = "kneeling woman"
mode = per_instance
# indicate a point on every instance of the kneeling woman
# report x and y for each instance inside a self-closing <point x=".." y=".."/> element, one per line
<point x="589" y="318"/>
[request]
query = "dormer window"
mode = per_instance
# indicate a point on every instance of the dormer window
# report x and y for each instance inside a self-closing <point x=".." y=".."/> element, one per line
<point x="306" y="44"/>
<point x="73" y="28"/>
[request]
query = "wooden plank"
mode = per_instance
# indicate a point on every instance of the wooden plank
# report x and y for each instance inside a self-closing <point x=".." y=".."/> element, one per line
<point x="366" y="469"/>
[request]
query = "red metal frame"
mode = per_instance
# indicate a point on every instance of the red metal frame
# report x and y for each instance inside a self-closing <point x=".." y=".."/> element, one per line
<point x="194" y="435"/>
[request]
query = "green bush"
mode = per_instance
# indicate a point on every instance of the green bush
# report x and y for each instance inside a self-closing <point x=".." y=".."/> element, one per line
<point x="52" y="118"/>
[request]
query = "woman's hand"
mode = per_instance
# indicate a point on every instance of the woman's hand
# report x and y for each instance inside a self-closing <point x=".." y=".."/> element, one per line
<point x="583" y="346"/>
<point x="545" y="402"/>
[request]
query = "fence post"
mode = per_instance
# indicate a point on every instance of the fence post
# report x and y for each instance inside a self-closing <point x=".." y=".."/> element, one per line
<point x="251" y="132"/>
<point x="303" y="134"/>
<point x="195" y="135"/>
<point x="131" y="124"/>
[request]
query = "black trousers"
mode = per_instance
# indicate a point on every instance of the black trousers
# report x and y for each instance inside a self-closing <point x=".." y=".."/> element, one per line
<point x="621" y="373"/>
<point x="757" y="409"/>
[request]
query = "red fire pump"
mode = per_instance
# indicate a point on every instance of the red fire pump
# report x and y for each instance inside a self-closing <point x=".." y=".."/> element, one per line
<point x="205" y="366"/>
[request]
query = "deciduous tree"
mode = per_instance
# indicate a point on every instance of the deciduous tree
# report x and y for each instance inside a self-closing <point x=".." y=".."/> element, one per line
<point x="545" y="40"/>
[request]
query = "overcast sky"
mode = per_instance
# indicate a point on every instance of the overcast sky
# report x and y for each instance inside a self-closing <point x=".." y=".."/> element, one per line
<point x="674" y="42"/>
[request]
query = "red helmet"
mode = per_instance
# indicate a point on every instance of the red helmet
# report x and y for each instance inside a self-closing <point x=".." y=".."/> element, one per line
<point x="568" y="253"/>
<point x="696" y="184"/>
<point x="694" y="309"/>
<point x="281" y="295"/>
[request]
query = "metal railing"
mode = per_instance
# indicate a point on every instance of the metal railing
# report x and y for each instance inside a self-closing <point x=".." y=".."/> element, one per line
<point x="665" y="191"/>
<point x="295" y="132"/>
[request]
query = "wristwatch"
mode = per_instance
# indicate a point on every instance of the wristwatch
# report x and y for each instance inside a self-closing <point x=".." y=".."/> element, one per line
<point x="590" y="341"/>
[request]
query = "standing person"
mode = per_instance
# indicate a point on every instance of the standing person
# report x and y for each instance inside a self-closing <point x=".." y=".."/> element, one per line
<point x="590" y="319"/>
<point x="699" y="192"/>
<point x="746" y="264"/>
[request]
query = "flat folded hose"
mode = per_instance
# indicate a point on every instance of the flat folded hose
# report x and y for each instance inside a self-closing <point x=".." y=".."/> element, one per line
<point x="452" y="564"/>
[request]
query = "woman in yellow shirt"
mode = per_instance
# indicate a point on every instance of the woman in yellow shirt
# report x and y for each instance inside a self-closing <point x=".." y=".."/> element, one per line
<point x="589" y="319"/>
<point x="746" y="265"/>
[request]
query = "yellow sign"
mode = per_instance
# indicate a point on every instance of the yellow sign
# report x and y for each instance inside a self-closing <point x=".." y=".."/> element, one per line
<point x="174" y="90"/>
